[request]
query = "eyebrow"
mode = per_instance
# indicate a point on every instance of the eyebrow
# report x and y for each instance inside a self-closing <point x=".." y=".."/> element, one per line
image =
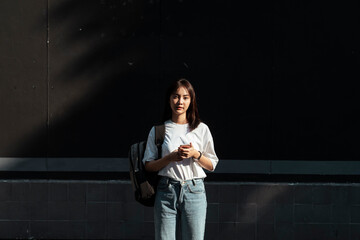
<point x="185" y="95"/>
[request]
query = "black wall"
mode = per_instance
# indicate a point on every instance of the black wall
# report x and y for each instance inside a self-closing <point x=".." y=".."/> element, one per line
<point x="274" y="80"/>
<point x="106" y="210"/>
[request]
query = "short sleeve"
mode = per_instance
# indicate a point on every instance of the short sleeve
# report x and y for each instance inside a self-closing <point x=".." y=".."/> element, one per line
<point x="209" y="149"/>
<point x="151" y="151"/>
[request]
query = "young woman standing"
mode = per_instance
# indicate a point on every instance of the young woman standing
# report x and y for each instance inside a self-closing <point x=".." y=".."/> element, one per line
<point x="188" y="147"/>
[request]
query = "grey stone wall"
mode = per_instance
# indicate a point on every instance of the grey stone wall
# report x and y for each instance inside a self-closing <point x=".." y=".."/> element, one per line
<point x="83" y="209"/>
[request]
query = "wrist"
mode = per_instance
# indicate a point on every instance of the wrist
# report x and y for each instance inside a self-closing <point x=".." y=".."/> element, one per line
<point x="197" y="156"/>
<point x="170" y="157"/>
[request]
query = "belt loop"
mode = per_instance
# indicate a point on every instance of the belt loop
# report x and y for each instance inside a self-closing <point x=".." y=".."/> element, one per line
<point x="167" y="181"/>
<point x="194" y="182"/>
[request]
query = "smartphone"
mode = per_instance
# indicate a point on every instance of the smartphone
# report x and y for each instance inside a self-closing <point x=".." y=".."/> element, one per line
<point x="184" y="140"/>
<point x="185" y="145"/>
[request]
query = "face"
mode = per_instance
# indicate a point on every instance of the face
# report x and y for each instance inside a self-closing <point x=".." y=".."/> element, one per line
<point x="180" y="101"/>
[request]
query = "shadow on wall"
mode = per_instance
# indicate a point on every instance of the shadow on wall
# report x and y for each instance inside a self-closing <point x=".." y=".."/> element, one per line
<point x="105" y="72"/>
<point x="99" y="54"/>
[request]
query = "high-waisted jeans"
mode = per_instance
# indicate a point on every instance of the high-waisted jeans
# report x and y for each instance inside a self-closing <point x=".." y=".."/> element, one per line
<point x="180" y="209"/>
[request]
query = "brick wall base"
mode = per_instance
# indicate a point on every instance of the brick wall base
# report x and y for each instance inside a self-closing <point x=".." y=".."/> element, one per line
<point x="80" y="209"/>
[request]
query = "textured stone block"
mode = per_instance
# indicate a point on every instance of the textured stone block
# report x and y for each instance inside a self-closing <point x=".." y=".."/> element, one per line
<point x="96" y="212"/>
<point x="39" y="191"/>
<point x="265" y="232"/>
<point x="96" y="230"/>
<point x="115" y="230"/>
<point x="266" y="214"/>
<point x="340" y="195"/>
<point x="227" y="212"/>
<point x="227" y="194"/>
<point x="284" y="230"/>
<point x="212" y="231"/>
<point x="77" y="191"/>
<point x="133" y="213"/>
<point x="19" y="191"/>
<point x="284" y="213"/>
<point x="77" y="211"/>
<point x="96" y="192"/>
<point x="266" y="194"/>
<point x="115" y="192"/>
<point x="115" y="212"/>
<point x="39" y="230"/>
<point x="18" y="211"/>
<point x="322" y="213"/>
<point x="38" y="210"/>
<point x="245" y="231"/>
<point x="303" y="195"/>
<point x="355" y="214"/>
<point x="58" y="229"/>
<point x="354" y="231"/>
<point x="246" y="193"/>
<point x="14" y="229"/>
<point x="212" y="215"/>
<point x="58" y="211"/>
<point x="228" y="230"/>
<point x="303" y="213"/>
<point x="76" y="230"/>
<point x="283" y="194"/>
<point x="354" y="195"/>
<point x="212" y="193"/>
<point x="246" y="213"/>
<point x="322" y="194"/>
<point x="313" y="231"/>
<point x="132" y="230"/>
<point x="58" y="192"/>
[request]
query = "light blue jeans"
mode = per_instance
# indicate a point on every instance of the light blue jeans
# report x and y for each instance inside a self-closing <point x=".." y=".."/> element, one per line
<point x="180" y="210"/>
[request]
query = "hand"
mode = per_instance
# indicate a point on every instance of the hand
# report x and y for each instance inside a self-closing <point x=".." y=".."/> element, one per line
<point x="175" y="156"/>
<point x="187" y="151"/>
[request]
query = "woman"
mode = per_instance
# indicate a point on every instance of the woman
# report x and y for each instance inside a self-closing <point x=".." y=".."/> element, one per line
<point x="180" y="203"/>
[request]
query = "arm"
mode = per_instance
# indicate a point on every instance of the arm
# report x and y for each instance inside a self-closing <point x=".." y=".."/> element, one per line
<point x="204" y="162"/>
<point x="190" y="152"/>
<point x="157" y="165"/>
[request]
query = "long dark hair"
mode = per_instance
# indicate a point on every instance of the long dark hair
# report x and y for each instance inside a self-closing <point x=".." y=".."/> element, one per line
<point x="192" y="114"/>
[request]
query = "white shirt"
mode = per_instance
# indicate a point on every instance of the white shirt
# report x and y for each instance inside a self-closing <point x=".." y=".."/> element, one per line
<point x="176" y="135"/>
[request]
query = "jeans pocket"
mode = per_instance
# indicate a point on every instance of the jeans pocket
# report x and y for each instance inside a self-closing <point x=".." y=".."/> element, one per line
<point x="196" y="188"/>
<point x="162" y="187"/>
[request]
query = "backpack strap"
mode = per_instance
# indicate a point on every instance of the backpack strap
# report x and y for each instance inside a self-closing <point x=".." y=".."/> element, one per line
<point x="159" y="137"/>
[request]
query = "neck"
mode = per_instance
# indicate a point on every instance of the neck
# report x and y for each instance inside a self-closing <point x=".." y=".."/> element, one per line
<point x="179" y="119"/>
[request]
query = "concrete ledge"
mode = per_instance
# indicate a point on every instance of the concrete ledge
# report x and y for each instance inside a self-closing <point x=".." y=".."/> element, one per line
<point x="88" y="164"/>
<point x="23" y="164"/>
<point x="224" y="166"/>
<point x="244" y="166"/>
<point x="315" y="167"/>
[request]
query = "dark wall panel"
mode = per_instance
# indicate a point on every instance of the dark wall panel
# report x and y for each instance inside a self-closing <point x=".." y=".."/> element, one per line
<point x="316" y="69"/>
<point x="107" y="210"/>
<point x="274" y="81"/>
<point x="103" y="75"/>
<point x="23" y="83"/>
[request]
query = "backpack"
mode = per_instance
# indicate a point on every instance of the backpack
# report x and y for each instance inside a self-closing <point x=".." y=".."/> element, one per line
<point x="144" y="183"/>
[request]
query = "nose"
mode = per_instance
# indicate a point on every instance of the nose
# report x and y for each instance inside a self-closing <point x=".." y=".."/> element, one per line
<point x="180" y="101"/>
